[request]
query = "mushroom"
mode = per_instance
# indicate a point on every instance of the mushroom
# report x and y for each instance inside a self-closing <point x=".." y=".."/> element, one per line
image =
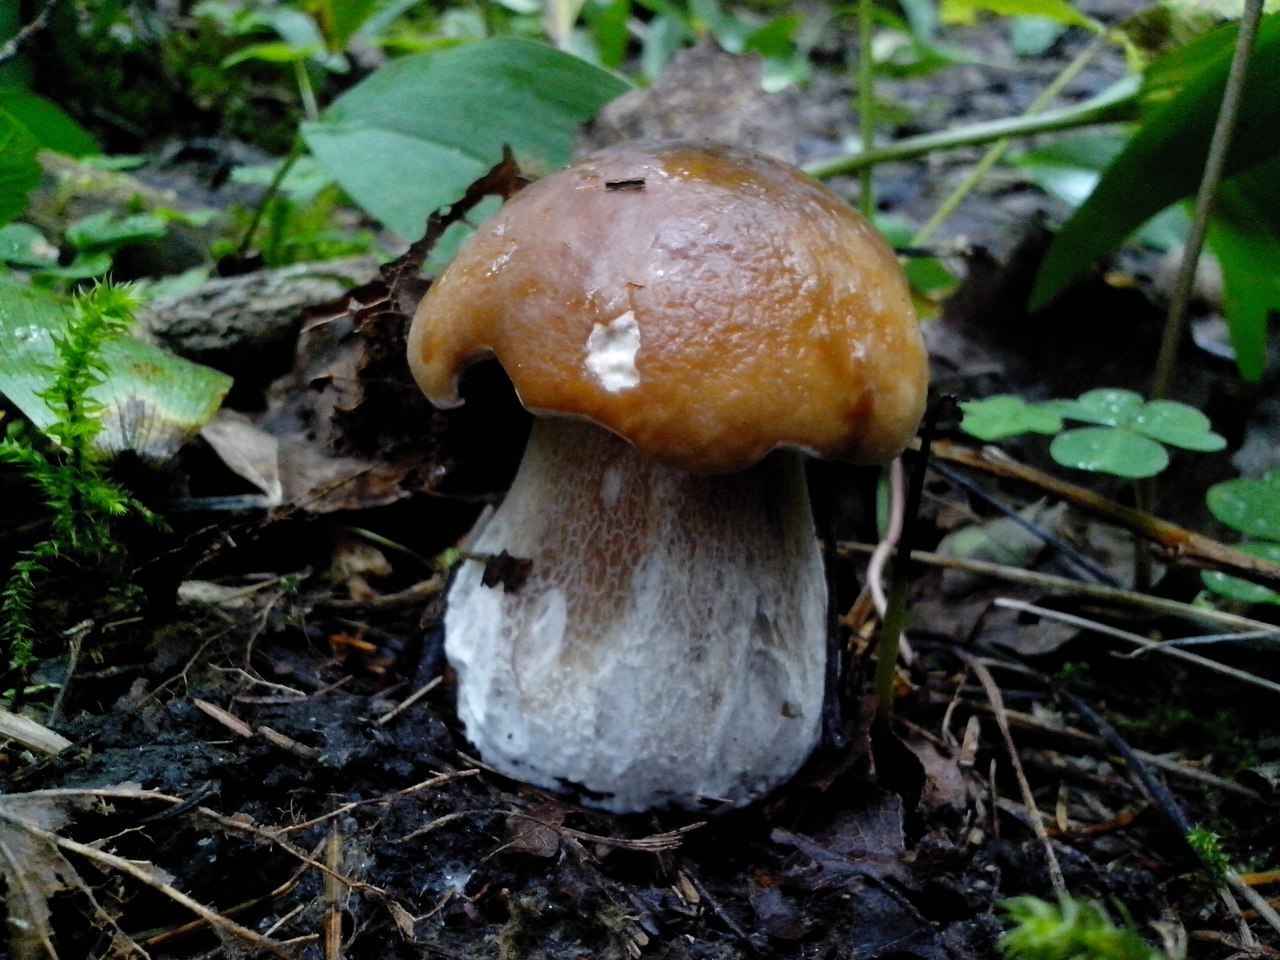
<point x="685" y="320"/>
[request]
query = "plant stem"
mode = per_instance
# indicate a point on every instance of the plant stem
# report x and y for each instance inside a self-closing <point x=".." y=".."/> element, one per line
<point x="309" y="105"/>
<point x="895" y="616"/>
<point x="997" y="149"/>
<point x="273" y="188"/>
<point x="866" y="103"/>
<point x="1176" y="324"/>
<point x="1115" y="107"/>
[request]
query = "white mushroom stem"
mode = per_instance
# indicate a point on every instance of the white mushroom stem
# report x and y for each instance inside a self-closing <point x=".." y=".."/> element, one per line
<point x="668" y="646"/>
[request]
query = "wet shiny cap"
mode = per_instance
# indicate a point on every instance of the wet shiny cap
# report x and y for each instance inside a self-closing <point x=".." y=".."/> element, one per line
<point x="706" y="303"/>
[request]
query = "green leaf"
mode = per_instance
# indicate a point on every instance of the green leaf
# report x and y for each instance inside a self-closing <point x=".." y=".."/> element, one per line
<point x="413" y="136"/>
<point x="108" y="231"/>
<point x="22" y="245"/>
<point x="1248" y="505"/>
<point x="1004" y="416"/>
<point x="1114" y="450"/>
<point x="929" y="277"/>
<point x="1107" y="407"/>
<point x="607" y="20"/>
<point x="966" y="11"/>
<point x="339" y="20"/>
<point x="1163" y="161"/>
<point x="151" y="401"/>
<point x="19" y="168"/>
<point x="1034" y="36"/>
<point x="1178" y="425"/>
<point x="1233" y="588"/>
<point x="47" y="123"/>
<point x="1244" y="235"/>
<point x="277" y="51"/>
<point x="1069" y="169"/>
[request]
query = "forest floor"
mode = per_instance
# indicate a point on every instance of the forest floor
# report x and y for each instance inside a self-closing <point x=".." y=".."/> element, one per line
<point x="264" y="758"/>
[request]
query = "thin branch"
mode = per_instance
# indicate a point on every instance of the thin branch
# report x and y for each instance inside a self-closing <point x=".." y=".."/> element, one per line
<point x="1243" y="626"/>
<point x="1137" y="639"/>
<point x="1176" y="324"/>
<point x="24" y="36"/>
<point x="1182" y="544"/>
<point x="1028" y="798"/>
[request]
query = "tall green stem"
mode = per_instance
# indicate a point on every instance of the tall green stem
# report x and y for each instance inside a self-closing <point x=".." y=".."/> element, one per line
<point x="866" y="102"/>
<point x="1176" y="324"/>
<point x="997" y="149"/>
<point x="1117" y="106"/>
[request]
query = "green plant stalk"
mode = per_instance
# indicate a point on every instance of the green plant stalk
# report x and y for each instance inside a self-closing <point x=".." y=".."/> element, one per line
<point x="866" y="103"/>
<point x="273" y="189"/>
<point x="305" y="91"/>
<point x="1118" y="109"/>
<point x="1176" y="325"/>
<point x="997" y="149"/>
<point x="895" y="622"/>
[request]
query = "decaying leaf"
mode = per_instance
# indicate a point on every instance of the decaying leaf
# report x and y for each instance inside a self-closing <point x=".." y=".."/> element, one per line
<point x="33" y="867"/>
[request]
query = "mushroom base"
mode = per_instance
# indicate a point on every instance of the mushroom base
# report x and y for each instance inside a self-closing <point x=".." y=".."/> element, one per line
<point x="668" y="645"/>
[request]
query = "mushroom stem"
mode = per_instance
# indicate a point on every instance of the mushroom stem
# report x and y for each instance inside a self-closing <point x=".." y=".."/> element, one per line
<point x="668" y="645"/>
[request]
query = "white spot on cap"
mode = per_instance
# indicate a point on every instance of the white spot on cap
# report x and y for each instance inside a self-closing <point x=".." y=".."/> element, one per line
<point x="611" y="353"/>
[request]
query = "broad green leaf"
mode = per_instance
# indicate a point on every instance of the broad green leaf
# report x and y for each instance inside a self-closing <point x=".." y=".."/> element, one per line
<point x="1107" y="407"/>
<point x="1004" y="416"/>
<point x="1244" y="235"/>
<point x="1163" y="161"/>
<point x="412" y="137"/>
<point x="966" y="11"/>
<point x="1177" y="425"/>
<point x="47" y="123"/>
<point x="1113" y="450"/>
<point x="19" y="168"/>
<point x="1248" y="505"/>
<point x="152" y="401"/>
<point x="1233" y="588"/>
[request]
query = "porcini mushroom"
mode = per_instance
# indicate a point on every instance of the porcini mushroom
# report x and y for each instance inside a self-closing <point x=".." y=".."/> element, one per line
<point x="685" y="320"/>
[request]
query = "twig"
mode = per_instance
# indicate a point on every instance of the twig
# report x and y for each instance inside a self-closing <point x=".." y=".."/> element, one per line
<point x="20" y="39"/>
<point x="345" y="808"/>
<point x="333" y="895"/>
<point x="409" y="701"/>
<point x="142" y="875"/>
<point x="1028" y="798"/>
<point x="1163" y="799"/>
<point x="1068" y="553"/>
<point x="1155" y="646"/>
<point x="1048" y="581"/>
<point x="75" y="644"/>
<point x="1088" y="741"/>
<point x="1176" y="325"/>
<point x="1183" y="544"/>
<point x="718" y="909"/>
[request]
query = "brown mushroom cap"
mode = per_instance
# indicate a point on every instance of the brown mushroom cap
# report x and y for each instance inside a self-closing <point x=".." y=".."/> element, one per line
<point x="706" y="303"/>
